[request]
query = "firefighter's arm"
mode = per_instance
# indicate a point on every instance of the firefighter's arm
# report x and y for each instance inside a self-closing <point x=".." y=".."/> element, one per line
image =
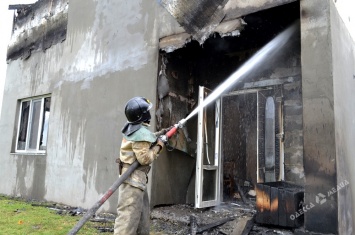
<point x="145" y="153"/>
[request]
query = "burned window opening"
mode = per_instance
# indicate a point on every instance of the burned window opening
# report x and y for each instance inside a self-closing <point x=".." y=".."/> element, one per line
<point x="208" y="65"/>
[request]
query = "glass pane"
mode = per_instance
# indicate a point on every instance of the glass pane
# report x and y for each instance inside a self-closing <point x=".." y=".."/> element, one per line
<point x="44" y="132"/>
<point x="25" y="109"/>
<point x="209" y="185"/>
<point x="35" y="115"/>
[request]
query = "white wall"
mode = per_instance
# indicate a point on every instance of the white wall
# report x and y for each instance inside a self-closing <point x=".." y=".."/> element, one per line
<point x="346" y="9"/>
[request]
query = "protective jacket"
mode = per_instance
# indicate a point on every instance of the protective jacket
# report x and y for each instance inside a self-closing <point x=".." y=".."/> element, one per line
<point x="142" y="146"/>
<point x="133" y="203"/>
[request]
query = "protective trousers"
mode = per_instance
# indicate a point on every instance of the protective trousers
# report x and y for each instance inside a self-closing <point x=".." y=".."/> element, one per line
<point x="133" y="215"/>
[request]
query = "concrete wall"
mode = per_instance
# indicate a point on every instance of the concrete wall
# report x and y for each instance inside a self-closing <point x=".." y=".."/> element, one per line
<point x="343" y="53"/>
<point x="318" y="116"/>
<point x="110" y="55"/>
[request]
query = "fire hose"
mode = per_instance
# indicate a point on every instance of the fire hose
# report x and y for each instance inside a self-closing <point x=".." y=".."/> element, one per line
<point x="119" y="181"/>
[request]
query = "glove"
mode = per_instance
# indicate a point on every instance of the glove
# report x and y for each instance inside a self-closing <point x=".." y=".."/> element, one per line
<point x="160" y="143"/>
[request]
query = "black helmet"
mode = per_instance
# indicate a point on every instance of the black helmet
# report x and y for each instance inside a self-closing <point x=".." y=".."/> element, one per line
<point x="137" y="110"/>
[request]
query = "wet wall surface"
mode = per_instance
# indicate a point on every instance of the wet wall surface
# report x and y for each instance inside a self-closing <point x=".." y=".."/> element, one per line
<point x="318" y="117"/>
<point x="344" y="107"/>
<point x="89" y="76"/>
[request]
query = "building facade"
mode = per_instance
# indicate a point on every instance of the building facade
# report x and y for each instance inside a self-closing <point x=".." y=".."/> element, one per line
<point x="72" y="66"/>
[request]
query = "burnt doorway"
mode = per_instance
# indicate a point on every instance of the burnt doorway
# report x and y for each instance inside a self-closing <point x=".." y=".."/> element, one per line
<point x="183" y="70"/>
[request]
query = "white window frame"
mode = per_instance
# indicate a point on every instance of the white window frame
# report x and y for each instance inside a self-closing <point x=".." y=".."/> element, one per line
<point x="29" y="125"/>
<point x="201" y="147"/>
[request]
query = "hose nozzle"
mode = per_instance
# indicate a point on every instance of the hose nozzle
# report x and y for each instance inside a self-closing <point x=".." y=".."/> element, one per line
<point x="173" y="130"/>
<point x="181" y="123"/>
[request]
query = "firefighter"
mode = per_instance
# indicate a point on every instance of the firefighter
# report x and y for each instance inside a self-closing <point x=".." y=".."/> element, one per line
<point x="138" y="143"/>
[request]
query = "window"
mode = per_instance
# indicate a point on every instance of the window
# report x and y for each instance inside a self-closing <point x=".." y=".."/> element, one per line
<point x="33" y="125"/>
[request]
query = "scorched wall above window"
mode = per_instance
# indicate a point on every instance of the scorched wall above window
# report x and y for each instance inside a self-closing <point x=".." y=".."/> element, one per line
<point x="37" y="27"/>
<point x="200" y="19"/>
<point x="196" y="17"/>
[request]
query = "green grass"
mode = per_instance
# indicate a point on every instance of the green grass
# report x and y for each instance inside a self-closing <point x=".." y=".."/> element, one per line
<point x="21" y="218"/>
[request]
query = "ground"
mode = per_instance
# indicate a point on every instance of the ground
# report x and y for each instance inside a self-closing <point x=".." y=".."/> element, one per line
<point x="176" y="219"/>
<point x="232" y="218"/>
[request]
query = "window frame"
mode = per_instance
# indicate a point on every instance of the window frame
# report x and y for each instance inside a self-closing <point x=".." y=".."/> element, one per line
<point x="212" y="166"/>
<point x="41" y="120"/>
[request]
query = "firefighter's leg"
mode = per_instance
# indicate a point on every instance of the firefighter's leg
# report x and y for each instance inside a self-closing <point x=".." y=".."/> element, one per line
<point x="129" y="209"/>
<point x="144" y="223"/>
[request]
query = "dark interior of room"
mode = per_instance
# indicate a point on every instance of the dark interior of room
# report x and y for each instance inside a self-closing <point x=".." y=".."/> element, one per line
<point x="210" y="64"/>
